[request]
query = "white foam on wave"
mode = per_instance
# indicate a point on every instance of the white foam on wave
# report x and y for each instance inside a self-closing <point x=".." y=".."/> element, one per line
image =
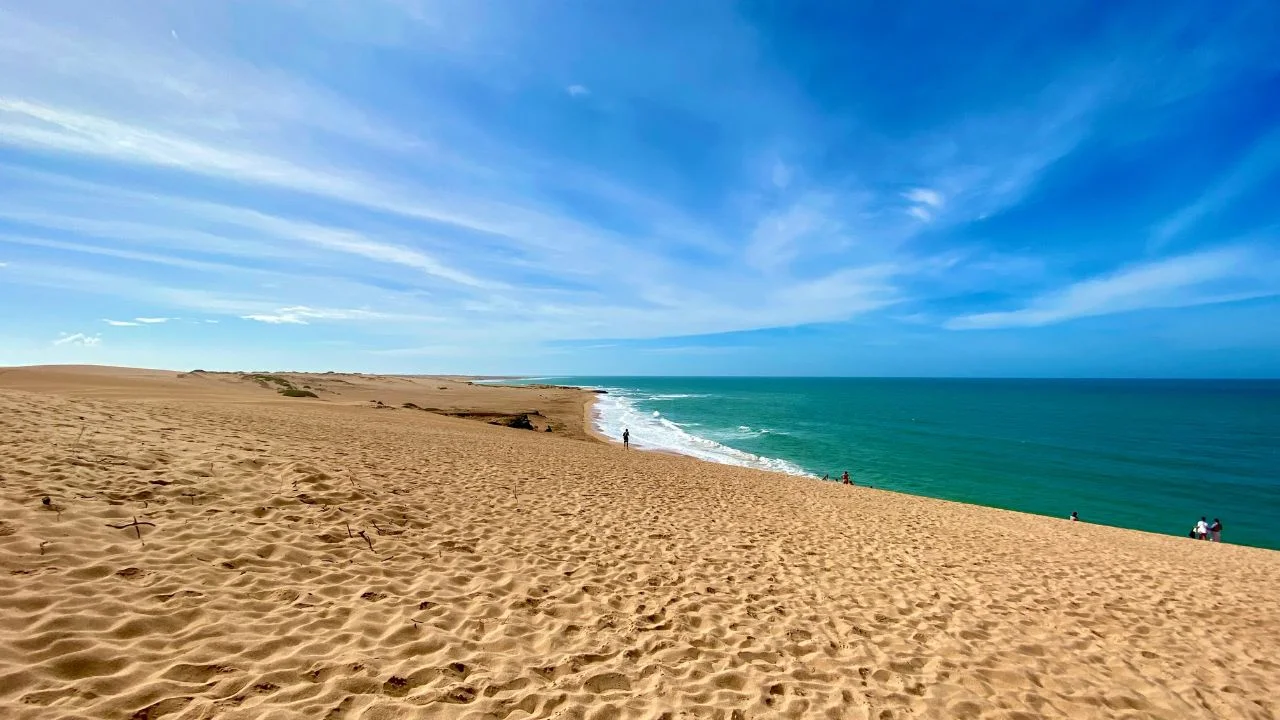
<point x="650" y="431"/>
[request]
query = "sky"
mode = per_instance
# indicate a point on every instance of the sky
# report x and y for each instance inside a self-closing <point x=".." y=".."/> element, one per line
<point x="622" y="188"/>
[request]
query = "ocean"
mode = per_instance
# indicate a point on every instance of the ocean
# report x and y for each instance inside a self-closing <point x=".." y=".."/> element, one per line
<point x="1152" y="455"/>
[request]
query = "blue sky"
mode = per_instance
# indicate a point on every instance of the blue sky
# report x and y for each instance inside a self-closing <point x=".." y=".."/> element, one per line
<point x="994" y="188"/>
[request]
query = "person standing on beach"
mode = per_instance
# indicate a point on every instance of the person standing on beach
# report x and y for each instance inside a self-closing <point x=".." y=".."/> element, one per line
<point x="1215" y="530"/>
<point x="845" y="478"/>
<point x="1074" y="516"/>
<point x="626" y="439"/>
<point x="1202" y="529"/>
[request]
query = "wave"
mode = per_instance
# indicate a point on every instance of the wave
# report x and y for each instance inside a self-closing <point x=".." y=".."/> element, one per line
<point x="649" y="430"/>
<point x="674" y="396"/>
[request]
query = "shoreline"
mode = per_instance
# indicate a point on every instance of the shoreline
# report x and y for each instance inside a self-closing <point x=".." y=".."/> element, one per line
<point x="589" y="419"/>
<point x="863" y="485"/>
<point x="495" y="404"/>
<point x="111" y="382"/>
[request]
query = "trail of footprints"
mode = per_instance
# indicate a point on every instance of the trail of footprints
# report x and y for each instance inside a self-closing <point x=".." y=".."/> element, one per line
<point x="357" y="566"/>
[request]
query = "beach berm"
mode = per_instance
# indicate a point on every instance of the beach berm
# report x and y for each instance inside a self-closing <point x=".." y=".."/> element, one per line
<point x="402" y="547"/>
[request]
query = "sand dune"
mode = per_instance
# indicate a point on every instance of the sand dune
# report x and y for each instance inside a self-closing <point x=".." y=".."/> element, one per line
<point x="322" y="558"/>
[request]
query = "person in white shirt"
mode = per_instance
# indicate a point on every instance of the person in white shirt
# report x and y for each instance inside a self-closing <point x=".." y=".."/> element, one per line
<point x="1202" y="529"/>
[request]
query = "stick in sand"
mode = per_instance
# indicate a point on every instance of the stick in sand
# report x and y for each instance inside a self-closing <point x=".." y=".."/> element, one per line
<point x="137" y="527"/>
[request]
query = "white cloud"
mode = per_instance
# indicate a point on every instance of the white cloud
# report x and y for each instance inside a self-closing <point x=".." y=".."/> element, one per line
<point x="924" y="196"/>
<point x="79" y="339"/>
<point x="280" y="319"/>
<point x="212" y="322"/>
<point x="1212" y="276"/>
<point x="120" y="323"/>
<point x="926" y="203"/>
<point x="577" y="90"/>
<point x="301" y="315"/>
<point x="153" y="320"/>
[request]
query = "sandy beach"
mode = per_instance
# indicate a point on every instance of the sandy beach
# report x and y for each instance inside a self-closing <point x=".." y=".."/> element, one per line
<point x="214" y="549"/>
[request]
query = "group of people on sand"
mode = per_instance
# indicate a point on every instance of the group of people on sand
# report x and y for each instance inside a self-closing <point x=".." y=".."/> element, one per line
<point x="1204" y="530"/>
<point x="844" y="479"/>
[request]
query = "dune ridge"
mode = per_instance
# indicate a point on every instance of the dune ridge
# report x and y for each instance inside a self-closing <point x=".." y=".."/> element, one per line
<point x="325" y="558"/>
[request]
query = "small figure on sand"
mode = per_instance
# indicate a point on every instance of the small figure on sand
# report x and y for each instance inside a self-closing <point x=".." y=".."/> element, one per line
<point x="845" y="478"/>
<point x="626" y="438"/>
<point x="1074" y="517"/>
<point x="1215" y="530"/>
<point x="1202" y="529"/>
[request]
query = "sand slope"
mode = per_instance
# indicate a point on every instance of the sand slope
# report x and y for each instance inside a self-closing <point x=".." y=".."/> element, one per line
<point x="517" y="574"/>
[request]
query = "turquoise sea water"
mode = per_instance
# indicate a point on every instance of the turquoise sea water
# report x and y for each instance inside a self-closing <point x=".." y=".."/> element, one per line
<point x="1148" y="454"/>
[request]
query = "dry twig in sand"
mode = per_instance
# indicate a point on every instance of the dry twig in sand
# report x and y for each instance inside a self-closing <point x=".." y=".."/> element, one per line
<point x="137" y="527"/>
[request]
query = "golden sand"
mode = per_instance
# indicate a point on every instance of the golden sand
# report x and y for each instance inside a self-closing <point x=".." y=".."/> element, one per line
<point x="340" y="558"/>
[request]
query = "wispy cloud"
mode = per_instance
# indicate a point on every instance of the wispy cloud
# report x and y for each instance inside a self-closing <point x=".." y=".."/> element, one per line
<point x="302" y="315"/>
<point x="1261" y="160"/>
<point x="487" y="249"/>
<point x="80" y="339"/>
<point x="920" y="213"/>
<point x="924" y="196"/>
<point x="152" y="160"/>
<point x="276" y="319"/>
<point x="925" y="203"/>
<point x="347" y="241"/>
<point x="780" y="236"/>
<point x="1212" y="276"/>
